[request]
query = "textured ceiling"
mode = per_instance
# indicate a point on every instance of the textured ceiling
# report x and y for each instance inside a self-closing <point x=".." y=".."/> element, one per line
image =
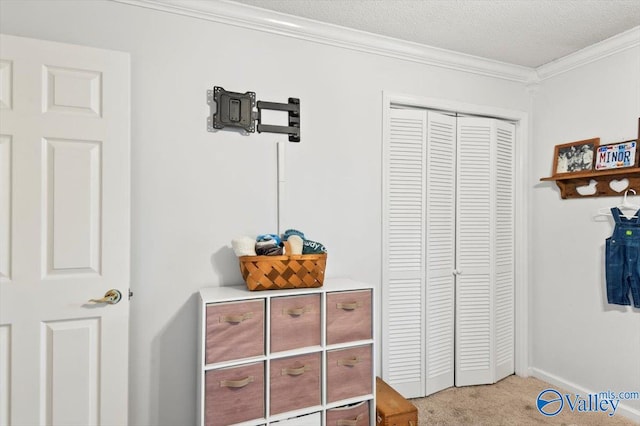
<point x="522" y="32"/>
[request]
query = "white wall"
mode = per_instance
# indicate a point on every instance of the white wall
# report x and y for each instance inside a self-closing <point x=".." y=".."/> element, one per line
<point x="193" y="191"/>
<point x="577" y="338"/>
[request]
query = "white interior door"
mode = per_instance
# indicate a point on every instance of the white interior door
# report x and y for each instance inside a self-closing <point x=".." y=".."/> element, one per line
<point x="504" y="287"/>
<point x="474" y="252"/>
<point x="419" y="252"/>
<point x="484" y="251"/>
<point x="64" y="233"/>
<point x="403" y="236"/>
<point x="448" y="251"/>
<point x="440" y="251"/>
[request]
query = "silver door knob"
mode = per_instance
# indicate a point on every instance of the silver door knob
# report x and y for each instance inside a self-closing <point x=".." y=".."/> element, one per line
<point x="111" y="297"/>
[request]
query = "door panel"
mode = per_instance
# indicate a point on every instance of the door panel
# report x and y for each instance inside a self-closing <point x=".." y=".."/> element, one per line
<point x="5" y="207"/>
<point x="485" y="251"/>
<point x="73" y="216"/>
<point x="474" y="334"/>
<point x="403" y="278"/>
<point x="5" y="374"/>
<point x="64" y="217"/>
<point x="505" y="251"/>
<point x="6" y="86"/>
<point x="73" y="91"/>
<point x="70" y="371"/>
<point x="440" y="251"/>
<point x="474" y="252"/>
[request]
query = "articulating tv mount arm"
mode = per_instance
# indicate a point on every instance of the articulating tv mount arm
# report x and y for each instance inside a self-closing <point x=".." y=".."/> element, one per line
<point x="238" y="110"/>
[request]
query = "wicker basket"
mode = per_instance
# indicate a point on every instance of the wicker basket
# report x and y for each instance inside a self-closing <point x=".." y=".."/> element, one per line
<point x="276" y="272"/>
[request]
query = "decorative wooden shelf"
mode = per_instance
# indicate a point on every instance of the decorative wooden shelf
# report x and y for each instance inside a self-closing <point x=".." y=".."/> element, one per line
<point x="568" y="183"/>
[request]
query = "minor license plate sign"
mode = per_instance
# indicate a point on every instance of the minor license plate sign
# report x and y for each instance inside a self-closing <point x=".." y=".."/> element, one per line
<point x="615" y="156"/>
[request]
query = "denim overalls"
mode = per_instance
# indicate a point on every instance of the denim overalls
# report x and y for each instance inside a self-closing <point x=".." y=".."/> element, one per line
<point x="623" y="263"/>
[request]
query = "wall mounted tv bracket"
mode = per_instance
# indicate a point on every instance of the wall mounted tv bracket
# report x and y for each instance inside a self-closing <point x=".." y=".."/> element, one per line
<point x="238" y="110"/>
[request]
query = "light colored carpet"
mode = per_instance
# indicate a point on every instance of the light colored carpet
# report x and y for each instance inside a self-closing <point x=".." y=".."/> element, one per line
<point x="511" y="401"/>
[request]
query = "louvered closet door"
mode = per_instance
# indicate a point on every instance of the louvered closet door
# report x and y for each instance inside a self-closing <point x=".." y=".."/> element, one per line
<point x="484" y="251"/>
<point x="403" y="272"/>
<point x="448" y="206"/>
<point x="504" y="283"/>
<point x="440" y="251"/>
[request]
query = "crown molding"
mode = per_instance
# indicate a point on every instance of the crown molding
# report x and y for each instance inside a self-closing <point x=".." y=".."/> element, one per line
<point x="240" y="15"/>
<point x="608" y="47"/>
<point x="253" y="18"/>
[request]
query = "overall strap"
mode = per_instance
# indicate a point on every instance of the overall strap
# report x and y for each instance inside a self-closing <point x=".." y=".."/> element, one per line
<point x="615" y="212"/>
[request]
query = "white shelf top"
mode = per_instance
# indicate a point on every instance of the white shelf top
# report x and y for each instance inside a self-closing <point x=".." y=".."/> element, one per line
<point x="228" y="293"/>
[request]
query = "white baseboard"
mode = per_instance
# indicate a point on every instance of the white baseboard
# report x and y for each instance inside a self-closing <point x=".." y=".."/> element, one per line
<point x="623" y="409"/>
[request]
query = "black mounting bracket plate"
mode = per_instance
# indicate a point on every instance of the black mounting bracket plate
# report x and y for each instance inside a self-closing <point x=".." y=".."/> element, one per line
<point x="236" y="110"/>
<point x="232" y="109"/>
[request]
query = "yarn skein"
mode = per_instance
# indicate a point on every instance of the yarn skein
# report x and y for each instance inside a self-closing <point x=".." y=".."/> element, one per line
<point x="296" y="244"/>
<point x="244" y="246"/>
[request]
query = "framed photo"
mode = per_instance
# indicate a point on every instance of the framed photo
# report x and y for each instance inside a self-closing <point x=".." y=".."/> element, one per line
<point x="617" y="155"/>
<point x="575" y="157"/>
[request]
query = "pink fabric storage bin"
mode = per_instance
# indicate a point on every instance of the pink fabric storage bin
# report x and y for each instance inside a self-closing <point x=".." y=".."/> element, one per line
<point x="349" y="373"/>
<point x="348" y="316"/>
<point x="295" y="382"/>
<point x="235" y="330"/>
<point x="234" y="394"/>
<point x="354" y="415"/>
<point x="295" y="322"/>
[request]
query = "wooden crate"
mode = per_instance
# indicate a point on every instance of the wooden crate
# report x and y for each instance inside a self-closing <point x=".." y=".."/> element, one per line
<point x="392" y="409"/>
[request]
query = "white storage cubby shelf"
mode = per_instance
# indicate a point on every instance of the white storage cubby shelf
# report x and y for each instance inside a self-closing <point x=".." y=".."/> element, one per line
<point x="298" y="357"/>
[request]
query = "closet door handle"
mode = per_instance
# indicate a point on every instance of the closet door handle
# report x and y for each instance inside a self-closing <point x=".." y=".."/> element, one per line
<point x="457" y="272"/>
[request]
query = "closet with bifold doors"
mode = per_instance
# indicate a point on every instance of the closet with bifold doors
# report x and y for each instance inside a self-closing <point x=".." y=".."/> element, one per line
<point x="448" y="250"/>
